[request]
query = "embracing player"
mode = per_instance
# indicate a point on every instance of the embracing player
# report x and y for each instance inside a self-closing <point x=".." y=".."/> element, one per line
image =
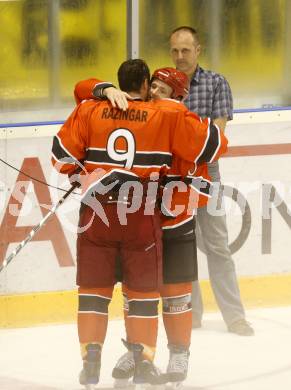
<point x="179" y="260"/>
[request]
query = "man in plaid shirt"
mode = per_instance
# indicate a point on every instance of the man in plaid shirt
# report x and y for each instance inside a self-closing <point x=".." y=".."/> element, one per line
<point x="210" y="96"/>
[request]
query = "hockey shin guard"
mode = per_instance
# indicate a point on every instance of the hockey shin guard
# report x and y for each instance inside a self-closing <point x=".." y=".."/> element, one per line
<point x="177" y="312"/>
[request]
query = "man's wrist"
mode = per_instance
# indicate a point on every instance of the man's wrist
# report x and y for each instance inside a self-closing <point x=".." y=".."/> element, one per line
<point x="98" y="90"/>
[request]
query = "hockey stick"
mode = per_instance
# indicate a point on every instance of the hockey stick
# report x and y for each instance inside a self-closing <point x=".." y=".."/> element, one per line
<point x="37" y="227"/>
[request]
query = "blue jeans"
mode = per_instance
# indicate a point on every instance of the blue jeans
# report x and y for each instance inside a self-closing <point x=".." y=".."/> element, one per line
<point x="221" y="267"/>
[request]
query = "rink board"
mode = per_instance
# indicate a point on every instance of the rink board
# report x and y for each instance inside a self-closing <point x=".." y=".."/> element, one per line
<point x="39" y="284"/>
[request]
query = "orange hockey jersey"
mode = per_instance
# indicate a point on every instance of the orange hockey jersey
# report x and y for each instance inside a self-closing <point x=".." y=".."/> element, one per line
<point x="138" y="142"/>
<point x="198" y="189"/>
<point x="84" y="89"/>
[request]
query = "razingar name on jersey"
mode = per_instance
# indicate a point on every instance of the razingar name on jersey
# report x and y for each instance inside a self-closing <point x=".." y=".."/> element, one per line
<point x="130" y="115"/>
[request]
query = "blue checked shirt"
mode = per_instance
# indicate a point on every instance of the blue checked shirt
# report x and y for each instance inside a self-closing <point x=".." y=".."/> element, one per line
<point x="210" y="95"/>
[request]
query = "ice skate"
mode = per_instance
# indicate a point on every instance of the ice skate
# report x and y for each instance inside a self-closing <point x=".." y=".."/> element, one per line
<point x="124" y="369"/>
<point x="178" y="365"/>
<point x="89" y="376"/>
<point x="146" y="374"/>
<point x="176" y="385"/>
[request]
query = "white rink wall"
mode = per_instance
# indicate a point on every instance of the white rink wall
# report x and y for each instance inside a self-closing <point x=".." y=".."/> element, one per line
<point x="262" y="245"/>
<point x="45" y="265"/>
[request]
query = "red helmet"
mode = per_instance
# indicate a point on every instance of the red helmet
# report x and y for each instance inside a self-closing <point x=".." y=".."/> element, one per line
<point x="177" y="80"/>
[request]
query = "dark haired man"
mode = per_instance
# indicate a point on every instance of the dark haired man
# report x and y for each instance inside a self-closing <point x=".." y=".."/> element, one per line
<point x="179" y="244"/>
<point x="126" y="150"/>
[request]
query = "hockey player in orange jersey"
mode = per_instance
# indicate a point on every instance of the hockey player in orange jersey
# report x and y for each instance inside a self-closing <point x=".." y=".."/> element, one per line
<point x="95" y="133"/>
<point x="179" y="243"/>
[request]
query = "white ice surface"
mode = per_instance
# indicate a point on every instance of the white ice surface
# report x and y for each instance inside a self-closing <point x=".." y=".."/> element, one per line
<point x="47" y="358"/>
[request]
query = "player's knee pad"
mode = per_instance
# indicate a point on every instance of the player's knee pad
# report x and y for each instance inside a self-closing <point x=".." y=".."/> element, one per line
<point x="94" y="301"/>
<point x="138" y="307"/>
<point x="177" y="305"/>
